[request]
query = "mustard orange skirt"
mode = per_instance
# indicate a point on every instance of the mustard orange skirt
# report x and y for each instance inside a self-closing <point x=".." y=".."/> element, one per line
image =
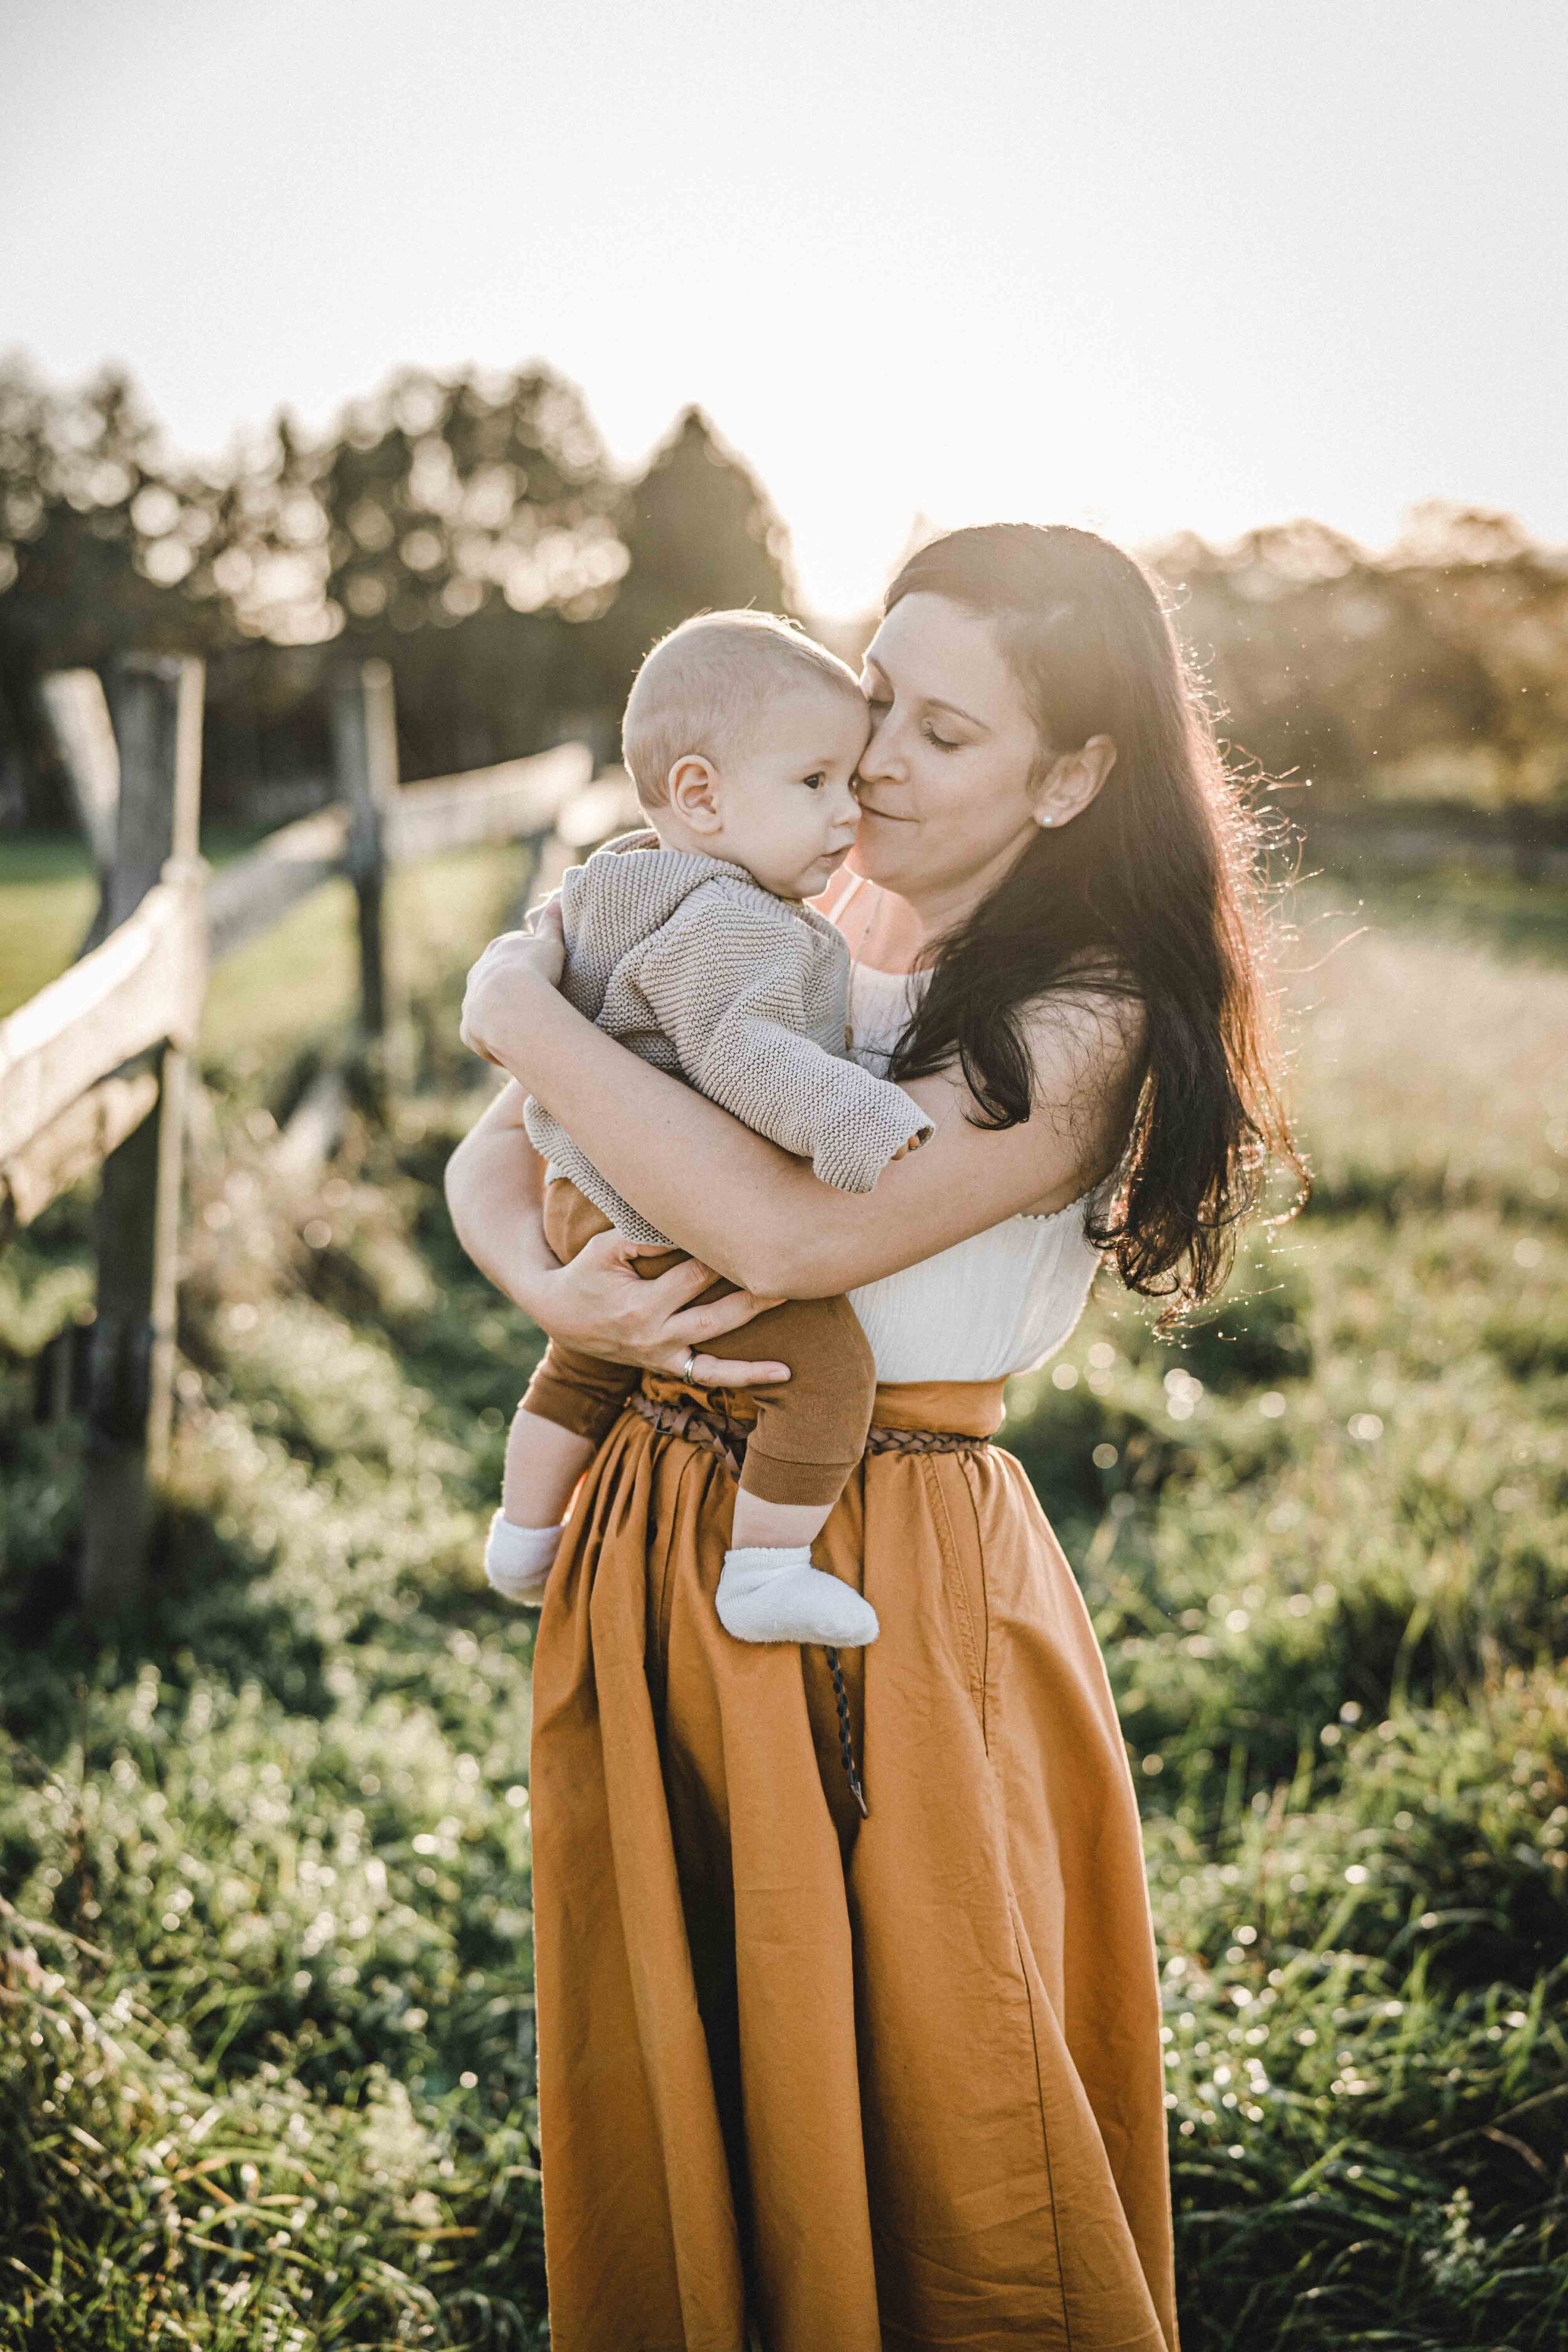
<point x="810" y="2082"/>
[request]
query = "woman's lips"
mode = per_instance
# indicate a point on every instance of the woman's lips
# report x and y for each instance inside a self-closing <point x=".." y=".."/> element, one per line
<point x="887" y="816"/>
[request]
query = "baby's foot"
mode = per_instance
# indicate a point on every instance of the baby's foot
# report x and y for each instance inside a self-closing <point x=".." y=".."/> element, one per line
<point x="517" y="1560"/>
<point x="776" y="1595"/>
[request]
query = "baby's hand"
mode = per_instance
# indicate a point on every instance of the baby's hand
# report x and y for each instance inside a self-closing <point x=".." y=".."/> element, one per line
<point x="904" y="1150"/>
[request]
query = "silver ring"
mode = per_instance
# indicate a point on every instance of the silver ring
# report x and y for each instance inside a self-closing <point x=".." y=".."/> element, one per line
<point x="688" y="1369"/>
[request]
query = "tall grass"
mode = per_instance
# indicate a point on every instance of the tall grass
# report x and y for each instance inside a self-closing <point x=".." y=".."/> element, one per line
<point x="266" y="2052"/>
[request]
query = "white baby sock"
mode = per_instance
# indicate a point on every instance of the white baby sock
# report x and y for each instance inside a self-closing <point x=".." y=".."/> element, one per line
<point x="776" y="1595"/>
<point x="517" y="1559"/>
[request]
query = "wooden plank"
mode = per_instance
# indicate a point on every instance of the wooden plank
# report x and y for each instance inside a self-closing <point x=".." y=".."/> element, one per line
<point x="248" y="897"/>
<point x="156" y="700"/>
<point x="142" y="985"/>
<point x="365" y="760"/>
<point x="74" y="1145"/>
<point x="156" y="703"/>
<point x="129" y="1349"/>
<point x="315" y="1127"/>
<point x="520" y="800"/>
<point x="78" y="720"/>
<point x="508" y="802"/>
<point x="549" y="868"/>
<point x="604" y="808"/>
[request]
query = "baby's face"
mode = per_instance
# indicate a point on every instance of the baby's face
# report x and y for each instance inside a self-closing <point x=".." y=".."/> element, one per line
<point x="788" y="810"/>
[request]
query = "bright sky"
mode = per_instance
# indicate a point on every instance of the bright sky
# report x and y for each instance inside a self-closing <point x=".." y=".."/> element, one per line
<point x="1138" y="263"/>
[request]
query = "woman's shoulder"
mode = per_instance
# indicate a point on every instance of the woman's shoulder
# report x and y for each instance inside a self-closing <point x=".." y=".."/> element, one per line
<point x="1096" y="1013"/>
<point x="1086" y="1047"/>
<point x="1085" y="1054"/>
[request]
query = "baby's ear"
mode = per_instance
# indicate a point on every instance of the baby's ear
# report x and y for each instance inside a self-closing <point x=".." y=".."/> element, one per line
<point x="694" y="792"/>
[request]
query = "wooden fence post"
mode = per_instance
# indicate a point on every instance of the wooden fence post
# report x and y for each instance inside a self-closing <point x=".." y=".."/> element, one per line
<point x="156" y="700"/>
<point x="365" y="743"/>
<point x="76" y="716"/>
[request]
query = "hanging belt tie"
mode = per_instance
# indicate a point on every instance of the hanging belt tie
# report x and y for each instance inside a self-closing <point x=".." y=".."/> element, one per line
<point x="726" y="1441"/>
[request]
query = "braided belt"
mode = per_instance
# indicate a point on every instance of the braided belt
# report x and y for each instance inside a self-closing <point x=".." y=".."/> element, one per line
<point x="726" y="1440"/>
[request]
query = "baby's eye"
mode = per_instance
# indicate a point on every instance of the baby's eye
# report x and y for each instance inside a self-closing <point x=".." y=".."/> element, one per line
<point x="815" y="782"/>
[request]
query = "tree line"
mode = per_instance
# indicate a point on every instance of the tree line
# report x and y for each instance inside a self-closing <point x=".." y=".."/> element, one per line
<point x="473" y="530"/>
<point x="1435" y="674"/>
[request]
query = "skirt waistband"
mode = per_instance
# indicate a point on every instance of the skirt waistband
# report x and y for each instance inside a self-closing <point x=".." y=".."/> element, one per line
<point x="966" y="1408"/>
<point x="970" y="1408"/>
<point x="908" y="1417"/>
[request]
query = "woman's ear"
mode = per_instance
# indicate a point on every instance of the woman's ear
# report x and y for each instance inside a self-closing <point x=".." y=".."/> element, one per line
<point x="1073" y="780"/>
<point x="694" y="792"/>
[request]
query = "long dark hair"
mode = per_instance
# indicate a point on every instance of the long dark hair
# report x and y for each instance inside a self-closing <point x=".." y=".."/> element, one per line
<point x="1151" y="894"/>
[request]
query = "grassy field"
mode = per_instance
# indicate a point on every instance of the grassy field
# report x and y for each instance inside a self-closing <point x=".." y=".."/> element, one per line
<point x="265" y="2048"/>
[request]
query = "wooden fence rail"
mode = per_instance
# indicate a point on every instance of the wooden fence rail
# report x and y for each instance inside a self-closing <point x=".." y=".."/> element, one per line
<point x="141" y="987"/>
<point x="93" y="1068"/>
<point x="247" y="898"/>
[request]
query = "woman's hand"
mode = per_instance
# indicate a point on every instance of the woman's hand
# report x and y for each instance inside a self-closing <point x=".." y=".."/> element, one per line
<point x="601" y="1306"/>
<point x="499" y="984"/>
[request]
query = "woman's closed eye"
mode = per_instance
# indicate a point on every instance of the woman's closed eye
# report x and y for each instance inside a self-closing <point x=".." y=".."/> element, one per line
<point x="880" y="705"/>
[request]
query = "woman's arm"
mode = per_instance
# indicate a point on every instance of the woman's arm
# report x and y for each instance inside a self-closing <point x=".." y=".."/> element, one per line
<point x="739" y="1203"/>
<point x="495" y="1192"/>
<point x="599" y="1304"/>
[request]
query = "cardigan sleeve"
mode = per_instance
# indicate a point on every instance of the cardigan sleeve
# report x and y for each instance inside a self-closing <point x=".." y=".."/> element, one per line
<point x="737" y="993"/>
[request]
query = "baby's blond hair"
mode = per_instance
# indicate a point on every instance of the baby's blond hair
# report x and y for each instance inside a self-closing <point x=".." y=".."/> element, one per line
<point x="704" y="687"/>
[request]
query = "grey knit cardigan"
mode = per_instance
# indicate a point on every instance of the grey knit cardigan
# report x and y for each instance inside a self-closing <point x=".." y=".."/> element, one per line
<point x="697" y="968"/>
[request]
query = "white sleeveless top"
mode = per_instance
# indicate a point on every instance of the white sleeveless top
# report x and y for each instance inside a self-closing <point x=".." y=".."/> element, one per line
<point x="999" y="1303"/>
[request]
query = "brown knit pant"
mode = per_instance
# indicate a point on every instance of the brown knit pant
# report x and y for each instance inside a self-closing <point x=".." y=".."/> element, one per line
<point x="810" y="1430"/>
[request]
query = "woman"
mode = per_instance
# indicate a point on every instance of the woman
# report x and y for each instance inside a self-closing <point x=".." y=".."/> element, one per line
<point x="891" y="2081"/>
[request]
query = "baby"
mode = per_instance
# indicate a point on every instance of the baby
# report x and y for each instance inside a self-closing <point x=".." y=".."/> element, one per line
<point x="691" y="943"/>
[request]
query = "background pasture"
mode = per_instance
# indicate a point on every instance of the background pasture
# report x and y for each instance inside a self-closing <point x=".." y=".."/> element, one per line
<point x="266" y="2052"/>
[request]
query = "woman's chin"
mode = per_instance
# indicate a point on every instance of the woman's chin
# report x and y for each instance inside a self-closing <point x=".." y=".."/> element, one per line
<point x="875" y="857"/>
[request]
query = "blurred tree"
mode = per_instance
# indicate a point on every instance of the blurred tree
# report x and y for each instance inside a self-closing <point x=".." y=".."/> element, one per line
<point x="700" y="535"/>
<point x="459" y="528"/>
<point x="1500" y="605"/>
<point x="432" y="502"/>
<point x="1438" y="673"/>
<point x="101" y="537"/>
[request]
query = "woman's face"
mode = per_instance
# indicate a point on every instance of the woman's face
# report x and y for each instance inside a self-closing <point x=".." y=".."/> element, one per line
<point x="945" y="781"/>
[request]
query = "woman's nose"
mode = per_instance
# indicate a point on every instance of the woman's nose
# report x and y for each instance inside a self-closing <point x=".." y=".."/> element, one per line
<point x="878" y="762"/>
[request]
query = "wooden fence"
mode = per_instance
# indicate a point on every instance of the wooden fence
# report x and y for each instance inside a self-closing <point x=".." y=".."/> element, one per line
<point x="94" y="1069"/>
